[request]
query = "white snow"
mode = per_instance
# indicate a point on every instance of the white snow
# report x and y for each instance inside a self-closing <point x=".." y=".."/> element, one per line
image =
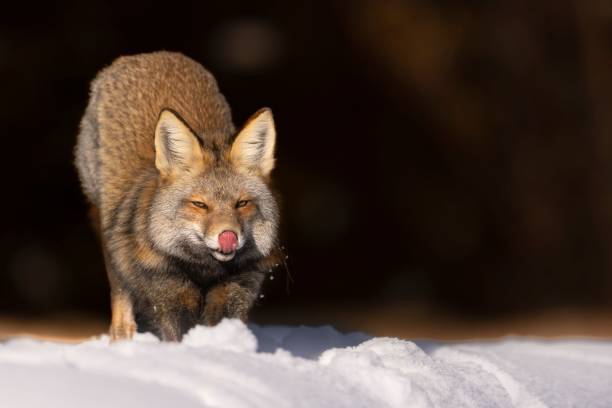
<point x="232" y="365"/>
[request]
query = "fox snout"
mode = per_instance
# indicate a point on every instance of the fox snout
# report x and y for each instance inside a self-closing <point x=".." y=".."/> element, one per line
<point x="225" y="245"/>
<point x="228" y="242"/>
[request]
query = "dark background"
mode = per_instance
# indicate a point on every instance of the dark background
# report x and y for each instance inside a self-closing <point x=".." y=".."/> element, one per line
<point x="455" y="154"/>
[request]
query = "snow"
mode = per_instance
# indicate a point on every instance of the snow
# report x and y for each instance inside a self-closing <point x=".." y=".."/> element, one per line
<point x="233" y="365"/>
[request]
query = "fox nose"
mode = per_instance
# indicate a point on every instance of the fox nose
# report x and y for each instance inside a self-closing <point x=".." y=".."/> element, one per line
<point x="228" y="242"/>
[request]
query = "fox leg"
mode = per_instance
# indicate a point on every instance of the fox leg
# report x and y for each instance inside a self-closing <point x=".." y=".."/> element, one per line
<point x="123" y="325"/>
<point x="169" y="329"/>
<point x="227" y="300"/>
<point x="231" y="299"/>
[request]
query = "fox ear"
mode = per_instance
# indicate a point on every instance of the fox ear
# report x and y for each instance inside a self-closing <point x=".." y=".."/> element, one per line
<point x="253" y="148"/>
<point x="176" y="147"/>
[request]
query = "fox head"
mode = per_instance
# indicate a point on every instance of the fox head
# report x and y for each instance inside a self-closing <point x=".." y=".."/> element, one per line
<point x="214" y="203"/>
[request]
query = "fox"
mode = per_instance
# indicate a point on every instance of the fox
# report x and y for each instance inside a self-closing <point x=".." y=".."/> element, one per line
<point x="182" y="202"/>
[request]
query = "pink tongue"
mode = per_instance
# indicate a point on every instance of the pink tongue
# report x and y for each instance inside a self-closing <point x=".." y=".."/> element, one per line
<point x="228" y="241"/>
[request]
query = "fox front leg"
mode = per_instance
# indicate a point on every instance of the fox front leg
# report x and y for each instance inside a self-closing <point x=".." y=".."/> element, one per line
<point x="169" y="329"/>
<point x="123" y="325"/>
<point x="228" y="299"/>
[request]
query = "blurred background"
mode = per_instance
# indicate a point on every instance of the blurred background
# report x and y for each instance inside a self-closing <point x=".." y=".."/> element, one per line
<point x="445" y="166"/>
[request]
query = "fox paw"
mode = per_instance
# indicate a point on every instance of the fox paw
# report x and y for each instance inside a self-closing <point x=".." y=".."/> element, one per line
<point x="227" y="300"/>
<point x="122" y="331"/>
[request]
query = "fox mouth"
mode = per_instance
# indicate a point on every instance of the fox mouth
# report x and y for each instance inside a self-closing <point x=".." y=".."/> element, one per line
<point x="223" y="256"/>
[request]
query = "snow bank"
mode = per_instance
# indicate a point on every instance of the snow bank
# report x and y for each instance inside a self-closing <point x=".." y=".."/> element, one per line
<point x="233" y="365"/>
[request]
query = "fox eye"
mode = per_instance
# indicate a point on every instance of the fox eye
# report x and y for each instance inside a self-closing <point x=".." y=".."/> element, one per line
<point x="200" y="204"/>
<point x="241" y="203"/>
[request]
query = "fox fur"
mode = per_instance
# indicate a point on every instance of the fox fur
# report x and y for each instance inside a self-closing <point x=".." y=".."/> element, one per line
<point x="166" y="173"/>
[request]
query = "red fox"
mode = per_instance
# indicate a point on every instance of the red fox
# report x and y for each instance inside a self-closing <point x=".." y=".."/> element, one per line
<point x="182" y="202"/>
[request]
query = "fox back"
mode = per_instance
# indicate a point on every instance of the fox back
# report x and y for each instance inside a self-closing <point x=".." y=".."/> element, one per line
<point x="182" y="201"/>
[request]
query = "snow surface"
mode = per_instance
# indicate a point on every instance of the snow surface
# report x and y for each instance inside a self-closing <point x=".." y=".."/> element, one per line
<point x="232" y="365"/>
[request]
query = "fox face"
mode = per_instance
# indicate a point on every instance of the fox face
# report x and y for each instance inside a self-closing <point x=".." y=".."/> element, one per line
<point x="214" y="204"/>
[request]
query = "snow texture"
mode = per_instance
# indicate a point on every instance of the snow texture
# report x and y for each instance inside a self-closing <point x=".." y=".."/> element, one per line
<point x="232" y="365"/>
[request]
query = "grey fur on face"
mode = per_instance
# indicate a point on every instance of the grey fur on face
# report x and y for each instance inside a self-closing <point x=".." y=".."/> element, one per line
<point x="224" y="186"/>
